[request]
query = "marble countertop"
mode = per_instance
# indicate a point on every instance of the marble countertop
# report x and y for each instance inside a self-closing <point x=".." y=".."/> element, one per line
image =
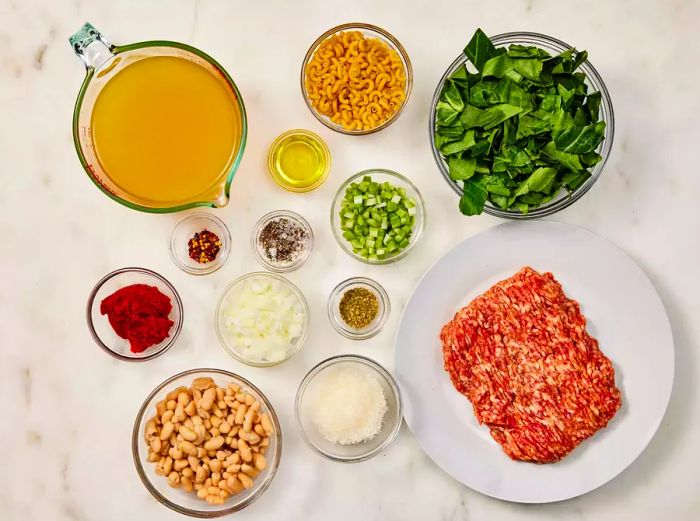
<point x="67" y="409"/>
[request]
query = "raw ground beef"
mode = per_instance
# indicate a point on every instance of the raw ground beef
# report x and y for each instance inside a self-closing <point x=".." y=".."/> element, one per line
<point x="521" y="354"/>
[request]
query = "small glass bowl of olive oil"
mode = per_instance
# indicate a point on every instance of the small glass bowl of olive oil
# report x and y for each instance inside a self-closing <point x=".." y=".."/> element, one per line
<point x="299" y="160"/>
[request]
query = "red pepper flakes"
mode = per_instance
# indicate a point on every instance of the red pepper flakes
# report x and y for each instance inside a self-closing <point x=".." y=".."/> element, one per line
<point x="139" y="313"/>
<point x="204" y="246"/>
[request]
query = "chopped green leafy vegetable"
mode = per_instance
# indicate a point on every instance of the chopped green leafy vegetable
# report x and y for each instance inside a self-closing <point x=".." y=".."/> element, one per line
<point x="519" y="129"/>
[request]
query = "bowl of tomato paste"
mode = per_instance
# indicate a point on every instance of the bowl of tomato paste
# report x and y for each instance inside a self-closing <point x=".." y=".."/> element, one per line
<point x="134" y="314"/>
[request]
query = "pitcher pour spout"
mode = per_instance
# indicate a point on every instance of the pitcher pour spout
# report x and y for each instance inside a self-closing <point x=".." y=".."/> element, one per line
<point x="221" y="199"/>
<point x="91" y="46"/>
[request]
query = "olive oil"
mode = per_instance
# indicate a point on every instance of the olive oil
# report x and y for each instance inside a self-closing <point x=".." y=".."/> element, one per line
<point x="299" y="161"/>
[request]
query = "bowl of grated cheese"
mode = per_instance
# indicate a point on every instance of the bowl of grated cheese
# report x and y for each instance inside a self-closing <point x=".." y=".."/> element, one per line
<point x="348" y="408"/>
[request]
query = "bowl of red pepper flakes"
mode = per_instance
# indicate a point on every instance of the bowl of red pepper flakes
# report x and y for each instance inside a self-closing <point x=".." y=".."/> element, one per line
<point x="200" y="243"/>
<point x="134" y="314"/>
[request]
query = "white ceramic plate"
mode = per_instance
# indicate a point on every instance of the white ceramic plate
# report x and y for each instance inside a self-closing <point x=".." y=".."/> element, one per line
<point x="624" y="313"/>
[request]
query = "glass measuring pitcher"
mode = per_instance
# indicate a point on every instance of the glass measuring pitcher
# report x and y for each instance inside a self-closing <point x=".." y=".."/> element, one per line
<point x="158" y="126"/>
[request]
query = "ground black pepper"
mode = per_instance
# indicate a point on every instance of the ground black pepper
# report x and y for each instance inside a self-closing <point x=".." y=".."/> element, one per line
<point x="283" y="240"/>
<point x="204" y="246"/>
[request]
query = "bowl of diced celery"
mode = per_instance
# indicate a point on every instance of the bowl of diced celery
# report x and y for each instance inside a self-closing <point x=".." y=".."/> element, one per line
<point x="377" y="216"/>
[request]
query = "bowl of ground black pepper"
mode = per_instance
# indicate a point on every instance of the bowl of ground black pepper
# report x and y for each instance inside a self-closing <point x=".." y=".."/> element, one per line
<point x="358" y="308"/>
<point x="200" y="243"/>
<point x="282" y="241"/>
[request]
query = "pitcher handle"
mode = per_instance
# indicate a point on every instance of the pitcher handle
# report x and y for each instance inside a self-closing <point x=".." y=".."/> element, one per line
<point x="91" y="46"/>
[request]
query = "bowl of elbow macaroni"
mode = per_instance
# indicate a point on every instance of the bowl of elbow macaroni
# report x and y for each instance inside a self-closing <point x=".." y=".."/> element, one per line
<point x="356" y="78"/>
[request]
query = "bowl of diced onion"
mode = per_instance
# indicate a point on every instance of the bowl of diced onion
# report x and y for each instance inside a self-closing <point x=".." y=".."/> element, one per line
<point x="378" y="216"/>
<point x="262" y="319"/>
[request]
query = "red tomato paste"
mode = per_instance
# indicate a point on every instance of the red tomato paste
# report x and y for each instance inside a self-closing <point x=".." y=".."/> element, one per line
<point x="139" y="314"/>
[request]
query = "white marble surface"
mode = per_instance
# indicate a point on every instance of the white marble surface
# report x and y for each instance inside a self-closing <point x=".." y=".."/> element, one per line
<point x="67" y="409"/>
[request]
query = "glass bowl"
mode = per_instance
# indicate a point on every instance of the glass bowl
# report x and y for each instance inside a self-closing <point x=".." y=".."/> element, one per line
<point x="379" y="175"/>
<point x="359" y="451"/>
<point x="594" y="82"/>
<point x="334" y="308"/>
<point x="235" y="350"/>
<point x="314" y="145"/>
<point x="99" y="325"/>
<point x="185" y="230"/>
<point x="370" y="31"/>
<point x="176" y="498"/>
<point x="258" y="250"/>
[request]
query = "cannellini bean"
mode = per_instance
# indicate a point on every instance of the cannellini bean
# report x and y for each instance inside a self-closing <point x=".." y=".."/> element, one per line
<point x="253" y="439"/>
<point x="186" y="484"/>
<point x="249" y="415"/>
<point x="179" y="414"/>
<point x="155" y="444"/>
<point x="188" y="448"/>
<point x="266" y="423"/>
<point x="191" y="409"/>
<point x="167" y="416"/>
<point x="188" y="433"/>
<point x="167" y="431"/>
<point x="183" y="398"/>
<point x="202" y="493"/>
<point x="207" y="399"/>
<point x="168" y="465"/>
<point x="224" y="427"/>
<point x="259" y="461"/>
<point x="246" y="454"/>
<point x="200" y="475"/>
<point x="248" y="470"/>
<point x="172" y="395"/>
<point x="215" y="478"/>
<point x="245" y="480"/>
<point x="175" y="453"/>
<point x="202" y="383"/>
<point x="214" y="443"/>
<point x="240" y="414"/>
<point x="174" y="479"/>
<point x="180" y="464"/>
<point x="151" y="429"/>
<point x="259" y="430"/>
<point x="170" y="405"/>
<point x="215" y="465"/>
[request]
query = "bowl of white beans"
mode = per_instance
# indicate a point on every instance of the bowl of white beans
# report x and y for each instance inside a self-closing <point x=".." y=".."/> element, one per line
<point x="206" y="443"/>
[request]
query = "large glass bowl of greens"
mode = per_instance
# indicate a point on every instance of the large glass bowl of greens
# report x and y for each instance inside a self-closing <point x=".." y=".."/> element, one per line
<point x="526" y="131"/>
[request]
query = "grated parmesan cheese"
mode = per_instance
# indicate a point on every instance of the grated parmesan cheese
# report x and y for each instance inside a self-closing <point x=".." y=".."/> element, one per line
<point x="348" y="406"/>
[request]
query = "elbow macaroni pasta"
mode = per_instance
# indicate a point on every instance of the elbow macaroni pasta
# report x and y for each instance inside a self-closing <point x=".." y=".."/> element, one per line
<point x="357" y="82"/>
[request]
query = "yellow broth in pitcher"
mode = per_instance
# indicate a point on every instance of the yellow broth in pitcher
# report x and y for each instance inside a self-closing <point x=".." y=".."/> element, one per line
<point x="165" y="129"/>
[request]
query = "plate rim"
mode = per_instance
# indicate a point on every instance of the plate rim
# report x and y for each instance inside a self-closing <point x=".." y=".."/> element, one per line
<point x="654" y="427"/>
